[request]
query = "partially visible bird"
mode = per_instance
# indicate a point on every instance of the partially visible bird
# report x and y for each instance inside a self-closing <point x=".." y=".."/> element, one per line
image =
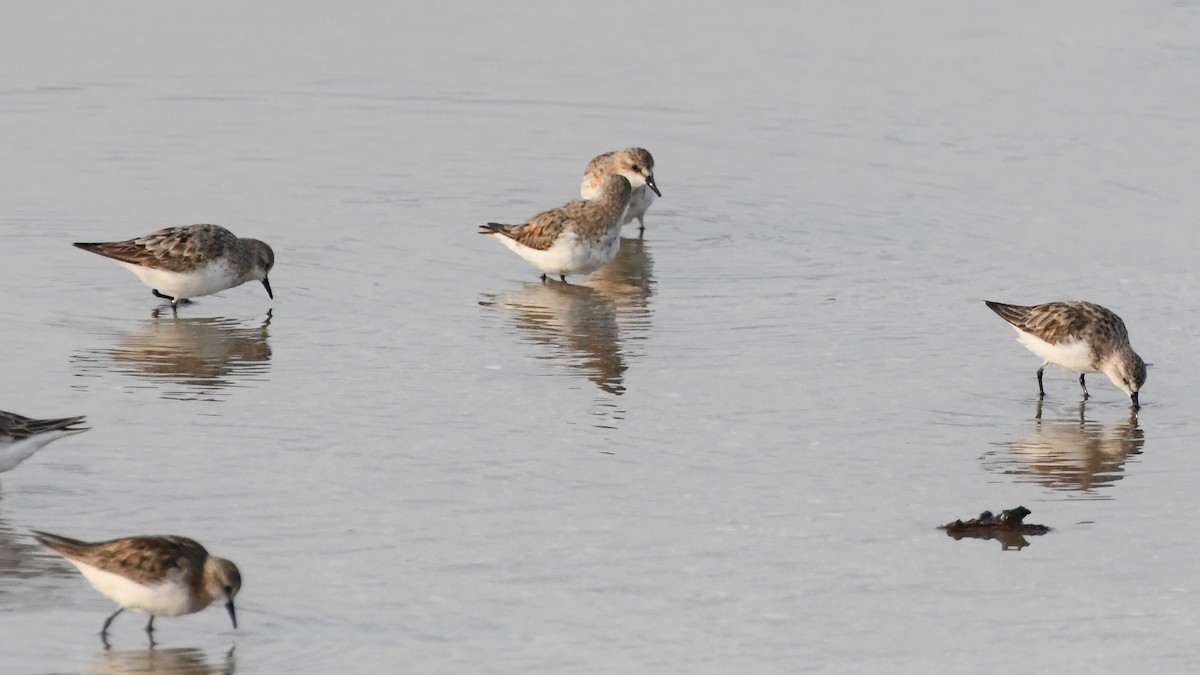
<point x="22" y="436"/>
<point x="637" y="166"/>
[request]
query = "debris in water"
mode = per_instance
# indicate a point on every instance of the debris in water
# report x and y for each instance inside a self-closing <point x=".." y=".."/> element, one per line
<point x="1008" y="527"/>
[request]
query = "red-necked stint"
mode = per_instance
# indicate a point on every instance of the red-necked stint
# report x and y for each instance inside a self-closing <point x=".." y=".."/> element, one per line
<point x="1082" y="337"/>
<point x="179" y="263"/>
<point x="160" y="575"/>
<point x="578" y="237"/>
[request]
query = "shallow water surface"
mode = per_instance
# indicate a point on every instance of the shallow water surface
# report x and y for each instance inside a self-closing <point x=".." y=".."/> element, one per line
<point x="729" y="451"/>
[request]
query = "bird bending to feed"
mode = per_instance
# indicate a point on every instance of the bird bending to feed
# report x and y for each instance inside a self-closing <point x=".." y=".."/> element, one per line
<point x="22" y="436"/>
<point x="578" y="237"/>
<point x="637" y="165"/>
<point x="1082" y="337"/>
<point x="179" y="263"/>
<point x="157" y="575"/>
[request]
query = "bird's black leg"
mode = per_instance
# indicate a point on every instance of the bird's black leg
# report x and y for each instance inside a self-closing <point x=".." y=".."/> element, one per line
<point x="543" y="278"/>
<point x="1086" y="396"/>
<point x="1041" y="391"/>
<point x="175" y="302"/>
<point x="108" y="622"/>
<point x="562" y="278"/>
<point x="150" y="631"/>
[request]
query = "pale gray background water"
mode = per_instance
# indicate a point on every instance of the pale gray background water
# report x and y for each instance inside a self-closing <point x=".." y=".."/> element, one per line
<point x="729" y="454"/>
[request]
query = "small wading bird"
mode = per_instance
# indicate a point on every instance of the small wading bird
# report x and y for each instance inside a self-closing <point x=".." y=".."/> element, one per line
<point x="578" y="237"/>
<point x="179" y="263"/>
<point x="637" y="166"/>
<point x="22" y="436"/>
<point x="158" y="575"/>
<point x="1082" y="337"/>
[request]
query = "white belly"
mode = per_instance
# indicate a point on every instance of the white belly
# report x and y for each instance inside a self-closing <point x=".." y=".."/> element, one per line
<point x="641" y="200"/>
<point x="165" y="599"/>
<point x="1074" y="356"/>
<point x="568" y="255"/>
<point x="15" y="452"/>
<point x="212" y="278"/>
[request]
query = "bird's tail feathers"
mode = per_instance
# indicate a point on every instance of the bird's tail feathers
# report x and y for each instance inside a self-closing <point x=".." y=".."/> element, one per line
<point x="495" y="228"/>
<point x="1014" y="314"/>
<point x="62" y="545"/>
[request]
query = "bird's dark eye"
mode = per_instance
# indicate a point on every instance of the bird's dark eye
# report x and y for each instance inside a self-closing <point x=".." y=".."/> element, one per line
<point x="636" y="168"/>
<point x="229" y="590"/>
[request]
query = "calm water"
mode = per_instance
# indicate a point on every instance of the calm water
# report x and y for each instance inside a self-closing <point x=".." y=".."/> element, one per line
<point x="726" y="453"/>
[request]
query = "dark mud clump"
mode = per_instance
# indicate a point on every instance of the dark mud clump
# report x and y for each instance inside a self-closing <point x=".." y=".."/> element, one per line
<point x="1009" y="528"/>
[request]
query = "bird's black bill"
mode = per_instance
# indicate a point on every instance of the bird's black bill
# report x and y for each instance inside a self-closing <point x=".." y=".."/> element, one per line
<point x="653" y="186"/>
<point x="232" y="614"/>
<point x="267" y="285"/>
<point x="1134" y="396"/>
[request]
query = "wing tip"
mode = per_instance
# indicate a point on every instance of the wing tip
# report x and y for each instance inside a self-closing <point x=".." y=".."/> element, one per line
<point x="998" y="307"/>
<point x="45" y="538"/>
<point x="62" y="424"/>
<point x="1014" y="314"/>
<point x="63" y="546"/>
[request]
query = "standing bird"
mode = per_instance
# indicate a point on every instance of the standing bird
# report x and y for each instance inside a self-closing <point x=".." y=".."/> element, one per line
<point x="159" y="575"/>
<point x="1082" y="337"/>
<point x="22" y="436"/>
<point x="637" y="166"/>
<point x="578" y="237"/>
<point x="179" y="263"/>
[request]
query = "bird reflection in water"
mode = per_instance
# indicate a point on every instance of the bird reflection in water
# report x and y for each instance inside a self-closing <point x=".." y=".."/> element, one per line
<point x="20" y="558"/>
<point x="177" y="661"/>
<point x="205" y="356"/>
<point x="25" y="570"/>
<point x="582" y="324"/>
<point x="1071" y="453"/>
<point x="628" y="279"/>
